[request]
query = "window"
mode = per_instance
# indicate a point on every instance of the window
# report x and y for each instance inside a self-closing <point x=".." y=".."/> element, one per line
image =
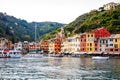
<point x="111" y="44"/>
<point x="106" y="41"/>
<point x="106" y="45"/>
<point x="116" y="49"/>
<point x="92" y="35"/>
<point x="88" y="35"/>
<point x="116" y="45"/>
<point x="100" y="41"/>
<point x="95" y="44"/>
<point x="111" y="49"/>
<point x="106" y="49"/>
<point x="90" y="49"/>
<point x="115" y="40"/>
<point x="90" y="44"/>
<point x="95" y="49"/>
<point x="111" y="39"/>
<point x="87" y="44"/>
<point x="83" y="49"/>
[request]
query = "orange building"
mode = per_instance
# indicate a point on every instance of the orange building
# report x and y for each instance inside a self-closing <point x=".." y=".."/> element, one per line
<point x="44" y="45"/>
<point x="57" y="44"/>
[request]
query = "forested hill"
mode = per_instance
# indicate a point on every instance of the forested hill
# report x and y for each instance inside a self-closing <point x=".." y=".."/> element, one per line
<point x="110" y="19"/>
<point x="19" y="30"/>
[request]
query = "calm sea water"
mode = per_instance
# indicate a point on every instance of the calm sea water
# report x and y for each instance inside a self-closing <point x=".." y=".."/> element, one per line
<point x="66" y="68"/>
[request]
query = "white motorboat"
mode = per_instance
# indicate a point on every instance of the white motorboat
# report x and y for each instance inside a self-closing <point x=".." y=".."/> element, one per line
<point x="6" y="53"/>
<point x="78" y="54"/>
<point x="100" y="58"/>
<point x="15" y="54"/>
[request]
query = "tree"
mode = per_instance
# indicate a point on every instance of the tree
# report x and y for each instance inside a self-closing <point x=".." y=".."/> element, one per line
<point x="26" y="38"/>
<point x="101" y="9"/>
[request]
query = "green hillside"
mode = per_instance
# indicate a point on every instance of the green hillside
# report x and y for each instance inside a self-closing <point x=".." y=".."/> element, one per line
<point x="19" y="30"/>
<point x="109" y="19"/>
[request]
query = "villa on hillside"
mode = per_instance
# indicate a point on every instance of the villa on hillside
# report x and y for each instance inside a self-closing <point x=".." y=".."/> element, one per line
<point x="110" y="5"/>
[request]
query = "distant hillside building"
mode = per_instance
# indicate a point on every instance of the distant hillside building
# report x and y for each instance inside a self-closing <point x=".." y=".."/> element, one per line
<point x="3" y="43"/>
<point x="32" y="47"/>
<point x="110" y="5"/>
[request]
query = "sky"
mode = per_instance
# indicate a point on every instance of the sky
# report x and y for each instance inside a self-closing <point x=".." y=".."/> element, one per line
<point x="63" y="11"/>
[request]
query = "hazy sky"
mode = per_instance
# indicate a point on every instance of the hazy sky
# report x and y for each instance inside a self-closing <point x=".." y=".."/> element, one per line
<point x="64" y="11"/>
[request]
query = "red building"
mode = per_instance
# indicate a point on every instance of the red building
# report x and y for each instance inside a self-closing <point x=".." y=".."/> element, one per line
<point x="90" y="40"/>
<point x="100" y="32"/>
<point x="44" y="45"/>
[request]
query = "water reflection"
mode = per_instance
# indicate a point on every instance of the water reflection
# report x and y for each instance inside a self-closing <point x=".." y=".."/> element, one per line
<point x="54" y="68"/>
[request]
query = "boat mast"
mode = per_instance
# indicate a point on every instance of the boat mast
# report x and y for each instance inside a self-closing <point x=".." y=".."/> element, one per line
<point x="35" y="32"/>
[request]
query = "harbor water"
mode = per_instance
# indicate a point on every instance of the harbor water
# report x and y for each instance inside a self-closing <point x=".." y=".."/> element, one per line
<point x="59" y="68"/>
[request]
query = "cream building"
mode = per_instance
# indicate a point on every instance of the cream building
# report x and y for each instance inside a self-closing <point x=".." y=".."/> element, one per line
<point x="51" y="46"/>
<point x="65" y="46"/>
<point x="74" y="43"/>
<point x="110" y="5"/>
<point x="3" y="43"/>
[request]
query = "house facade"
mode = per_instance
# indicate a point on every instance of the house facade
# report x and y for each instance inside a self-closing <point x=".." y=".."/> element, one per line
<point x="44" y="46"/>
<point x="51" y="46"/>
<point x="32" y="47"/>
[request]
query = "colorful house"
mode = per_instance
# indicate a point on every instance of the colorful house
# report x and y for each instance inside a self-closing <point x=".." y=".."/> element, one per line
<point x="116" y="42"/>
<point x="51" y="46"/>
<point x="92" y="39"/>
<point x="90" y="45"/>
<point x="83" y="42"/>
<point x="57" y="45"/>
<point x="32" y="47"/>
<point x="44" y="46"/>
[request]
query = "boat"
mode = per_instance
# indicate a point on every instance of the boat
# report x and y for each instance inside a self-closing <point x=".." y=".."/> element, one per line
<point x="100" y="58"/>
<point x="78" y="54"/>
<point x="6" y="53"/>
<point x="34" y="55"/>
<point x="56" y="55"/>
<point x="15" y="54"/>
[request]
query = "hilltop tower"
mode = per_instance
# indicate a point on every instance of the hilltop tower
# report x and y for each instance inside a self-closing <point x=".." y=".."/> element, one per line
<point x="62" y="33"/>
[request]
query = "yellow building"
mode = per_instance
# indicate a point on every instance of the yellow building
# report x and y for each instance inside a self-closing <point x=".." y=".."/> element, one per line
<point x="10" y="45"/>
<point x="90" y="42"/>
<point x="116" y="42"/>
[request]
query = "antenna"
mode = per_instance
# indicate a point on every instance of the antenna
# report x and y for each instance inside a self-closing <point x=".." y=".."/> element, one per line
<point x="35" y="32"/>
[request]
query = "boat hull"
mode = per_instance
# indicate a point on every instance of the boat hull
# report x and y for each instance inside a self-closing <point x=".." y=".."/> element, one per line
<point x="100" y="58"/>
